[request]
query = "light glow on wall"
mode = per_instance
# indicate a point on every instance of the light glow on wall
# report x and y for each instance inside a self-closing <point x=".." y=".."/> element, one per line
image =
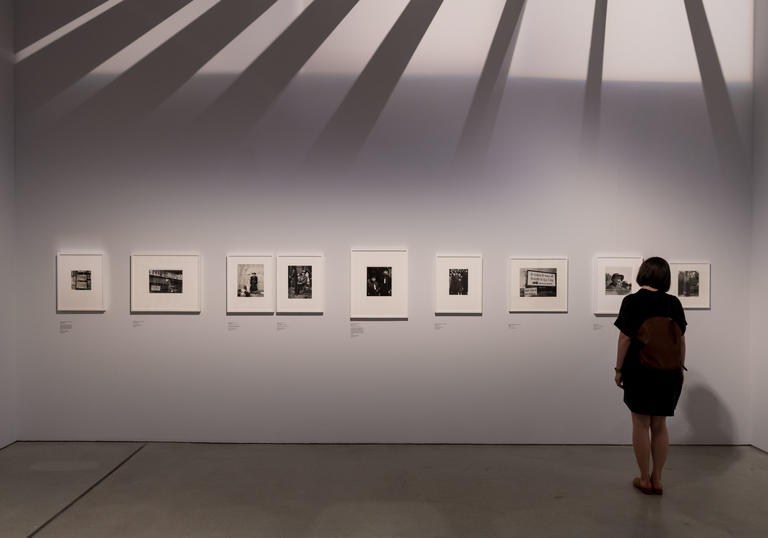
<point x="554" y="40"/>
<point x="651" y="40"/>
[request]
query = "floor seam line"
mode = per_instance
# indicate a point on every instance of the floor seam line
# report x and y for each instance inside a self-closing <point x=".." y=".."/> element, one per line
<point x="87" y="491"/>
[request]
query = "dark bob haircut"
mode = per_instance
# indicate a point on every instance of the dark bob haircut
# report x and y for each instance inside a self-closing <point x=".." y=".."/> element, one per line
<point x="655" y="272"/>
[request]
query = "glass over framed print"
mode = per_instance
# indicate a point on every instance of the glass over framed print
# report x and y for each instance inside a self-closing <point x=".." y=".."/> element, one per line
<point x="458" y="284"/>
<point x="379" y="284"/>
<point x="614" y="279"/>
<point x="300" y="284"/>
<point x="79" y="283"/>
<point x="165" y="282"/>
<point x="538" y="285"/>
<point x="690" y="282"/>
<point x="251" y="284"/>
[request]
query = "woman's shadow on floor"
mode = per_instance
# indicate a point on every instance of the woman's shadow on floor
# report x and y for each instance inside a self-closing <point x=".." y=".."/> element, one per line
<point x="709" y="423"/>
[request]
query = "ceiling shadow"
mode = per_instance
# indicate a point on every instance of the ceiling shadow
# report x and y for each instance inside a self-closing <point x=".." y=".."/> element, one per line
<point x="35" y="19"/>
<point x="151" y="81"/>
<point x="244" y="103"/>
<point x="351" y="124"/>
<point x="722" y="118"/>
<point x="46" y="73"/>
<point x="481" y="119"/>
<point x="594" y="86"/>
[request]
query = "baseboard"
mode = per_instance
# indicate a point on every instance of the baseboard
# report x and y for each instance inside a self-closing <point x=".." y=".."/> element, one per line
<point x="383" y="443"/>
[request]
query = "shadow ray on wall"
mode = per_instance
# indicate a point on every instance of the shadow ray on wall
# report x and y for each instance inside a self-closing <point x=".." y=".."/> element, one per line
<point x="46" y="73"/>
<point x="481" y="120"/>
<point x="35" y="19"/>
<point x="243" y="104"/>
<point x="356" y="117"/>
<point x="722" y="118"/>
<point x="593" y="91"/>
<point x="172" y="64"/>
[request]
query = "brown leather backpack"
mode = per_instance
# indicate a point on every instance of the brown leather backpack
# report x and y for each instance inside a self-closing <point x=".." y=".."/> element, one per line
<point x="662" y="342"/>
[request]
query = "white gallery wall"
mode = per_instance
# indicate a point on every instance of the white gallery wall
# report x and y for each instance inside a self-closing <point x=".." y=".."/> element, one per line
<point x="759" y="310"/>
<point x="7" y="232"/>
<point x="126" y="153"/>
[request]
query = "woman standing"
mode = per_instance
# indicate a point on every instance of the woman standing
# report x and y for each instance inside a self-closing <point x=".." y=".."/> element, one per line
<point x="649" y="367"/>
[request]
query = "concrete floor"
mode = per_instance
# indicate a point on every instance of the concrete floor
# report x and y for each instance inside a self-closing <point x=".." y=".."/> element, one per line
<point x="157" y="489"/>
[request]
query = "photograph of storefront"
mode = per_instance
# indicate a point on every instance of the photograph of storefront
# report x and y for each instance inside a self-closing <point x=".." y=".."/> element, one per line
<point x="165" y="281"/>
<point x="81" y="280"/>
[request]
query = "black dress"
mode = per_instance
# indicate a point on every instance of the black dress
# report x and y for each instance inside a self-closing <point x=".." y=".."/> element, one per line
<point x="648" y="391"/>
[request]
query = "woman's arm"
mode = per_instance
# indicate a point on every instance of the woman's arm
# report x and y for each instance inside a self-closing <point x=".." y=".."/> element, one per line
<point x="623" y="347"/>
<point x="682" y="351"/>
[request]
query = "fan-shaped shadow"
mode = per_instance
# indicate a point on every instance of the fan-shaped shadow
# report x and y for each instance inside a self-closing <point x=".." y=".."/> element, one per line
<point x="722" y="118"/>
<point x="353" y="121"/>
<point x="46" y="73"/>
<point x="35" y="19"/>
<point x="481" y="119"/>
<point x="226" y="122"/>
<point x="594" y="86"/>
<point x="168" y="67"/>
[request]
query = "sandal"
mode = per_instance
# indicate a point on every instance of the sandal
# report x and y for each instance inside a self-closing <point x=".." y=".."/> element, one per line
<point x="647" y="490"/>
<point x="657" y="490"/>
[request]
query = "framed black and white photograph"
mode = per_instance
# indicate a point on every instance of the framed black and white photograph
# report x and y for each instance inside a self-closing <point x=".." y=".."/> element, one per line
<point x="79" y="282"/>
<point x="379" y="281"/>
<point x="300" y="284"/>
<point x="458" y="284"/>
<point x="165" y="282"/>
<point x="379" y="284"/>
<point x="690" y="282"/>
<point x="300" y="281"/>
<point x="250" y="284"/>
<point x="538" y="285"/>
<point x="614" y="279"/>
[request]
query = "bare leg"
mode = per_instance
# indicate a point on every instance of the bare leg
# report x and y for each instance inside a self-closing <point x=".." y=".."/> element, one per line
<point x="659" y="448"/>
<point x="641" y="442"/>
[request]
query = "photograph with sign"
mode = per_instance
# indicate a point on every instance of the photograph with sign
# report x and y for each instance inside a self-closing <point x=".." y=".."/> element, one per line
<point x="538" y="282"/>
<point x="538" y="285"/>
